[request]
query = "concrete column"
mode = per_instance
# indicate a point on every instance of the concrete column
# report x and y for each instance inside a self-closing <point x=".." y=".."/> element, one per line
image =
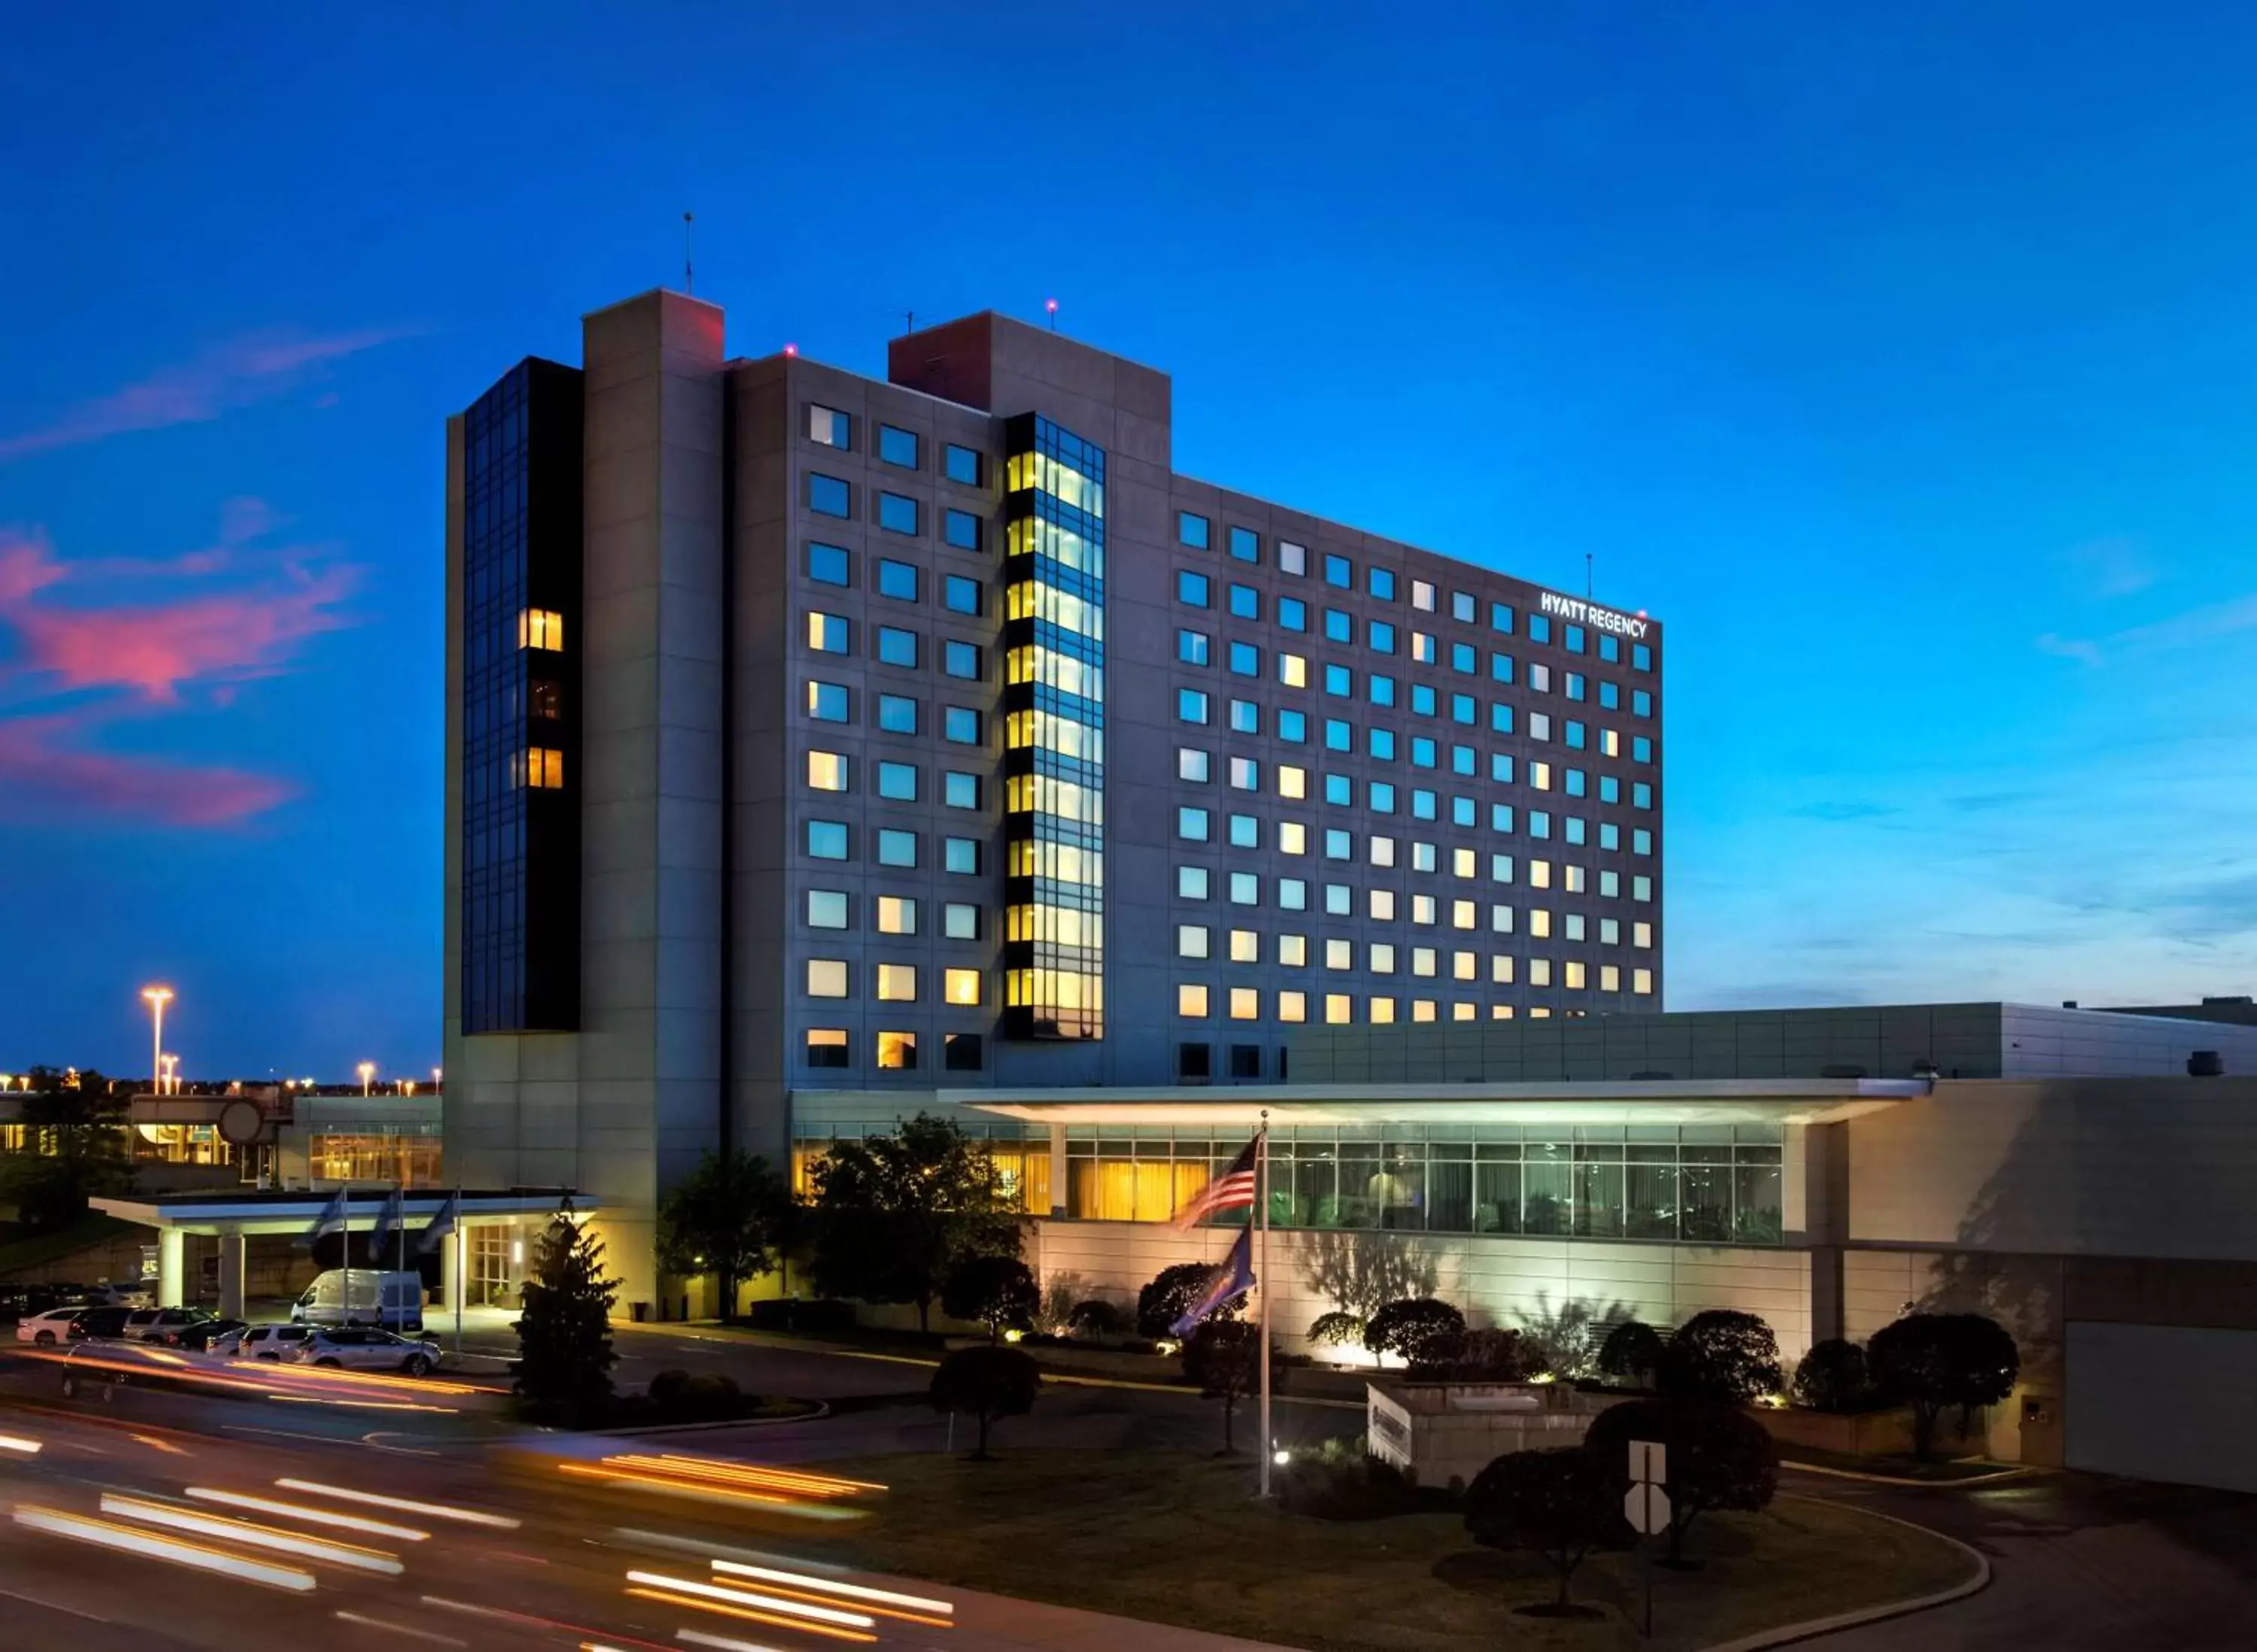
<point x="450" y="1268"/>
<point x="231" y="1248"/>
<point x="1057" y="1170"/>
<point x="172" y="1246"/>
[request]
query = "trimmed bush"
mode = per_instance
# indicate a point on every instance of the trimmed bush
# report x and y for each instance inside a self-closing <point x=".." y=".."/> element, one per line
<point x="1632" y="1351"/>
<point x="1422" y="1330"/>
<point x="1719" y="1456"/>
<point x="1722" y="1354"/>
<point x="1171" y="1295"/>
<point x="1833" y="1377"/>
<point x="1339" y="1329"/>
<point x="1930" y="1361"/>
<point x="1097" y="1318"/>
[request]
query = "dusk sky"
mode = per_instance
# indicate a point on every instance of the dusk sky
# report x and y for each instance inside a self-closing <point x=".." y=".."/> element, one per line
<point x="1902" y="359"/>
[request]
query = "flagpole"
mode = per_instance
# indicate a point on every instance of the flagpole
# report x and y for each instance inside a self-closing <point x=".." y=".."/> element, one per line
<point x="402" y="1247"/>
<point x="1263" y="1279"/>
<point x="454" y="1284"/>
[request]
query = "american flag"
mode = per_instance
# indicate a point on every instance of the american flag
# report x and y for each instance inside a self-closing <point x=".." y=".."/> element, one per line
<point x="1232" y="1191"/>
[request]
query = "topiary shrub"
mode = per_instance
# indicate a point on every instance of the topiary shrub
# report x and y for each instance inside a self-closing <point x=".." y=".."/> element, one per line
<point x="1339" y="1329"/>
<point x="1096" y="1318"/>
<point x="1833" y="1377"/>
<point x="1632" y="1353"/>
<point x="1171" y="1295"/>
<point x="1487" y="1356"/>
<point x="1423" y="1330"/>
<point x="1722" y="1354"/>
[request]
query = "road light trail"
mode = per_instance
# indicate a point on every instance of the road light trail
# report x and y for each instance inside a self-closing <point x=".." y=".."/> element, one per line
<point x="406" y="1506"/>
<point x="938" y="1611"/>
<point x="312" y="1516"/>
<point x="251" y="1535"/>
<point x="129" y="1540"/>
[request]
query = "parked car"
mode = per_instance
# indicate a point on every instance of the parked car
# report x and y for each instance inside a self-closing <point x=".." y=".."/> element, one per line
<point x="123" y="1293"/>
<point x="45" y="1329"/>
<point x="362" y="1296"/>
<point x="368" y="1351"/>
<point x="99" y="1321"/>
<point x="163" y="1324"/>
<point x="208" y="1330"/>
<point x="263" y="1342"/>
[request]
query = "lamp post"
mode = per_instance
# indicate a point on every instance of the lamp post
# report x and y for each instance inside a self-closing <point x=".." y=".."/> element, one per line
<point x="367" y="1071"/>
<point x="158" y="997"/>
<point x="172" y="1084"/>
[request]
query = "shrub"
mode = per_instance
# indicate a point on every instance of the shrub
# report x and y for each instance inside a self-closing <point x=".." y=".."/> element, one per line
<point x="1722" y="1354"/>
<point x="1632" y="1351"/>
<point x="1341" y="1480"/>
<point x="1171" y="1295"/>
<point x="1224" y="1357"/>
<point x="987" y="1383"/>
<point x="1096" y="1318"/>
<point x="1558" y="1503"/>
<point x="811" y="1316"/>
<point x="1933" y="1360"/>
<point x="666" y="1388"/>
<point x="998" y="1291"/>
<point x="1339" y="1329"/>
<point x="1832" y="1377"/>
<point x="1719" y="1456"/>
<point x="1421" y="1329"/>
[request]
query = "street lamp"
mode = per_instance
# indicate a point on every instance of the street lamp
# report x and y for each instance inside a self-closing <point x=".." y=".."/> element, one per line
<point x="158" y="997"/>
<point x="367" y="1071"/>
<point x="172" y="1084"/>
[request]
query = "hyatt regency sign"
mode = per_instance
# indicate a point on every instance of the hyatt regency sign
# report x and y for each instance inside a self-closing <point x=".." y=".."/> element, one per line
<point x="1579" y="612"/>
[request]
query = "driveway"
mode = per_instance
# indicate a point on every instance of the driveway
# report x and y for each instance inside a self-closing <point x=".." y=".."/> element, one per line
<point x="2078" y="1561"/>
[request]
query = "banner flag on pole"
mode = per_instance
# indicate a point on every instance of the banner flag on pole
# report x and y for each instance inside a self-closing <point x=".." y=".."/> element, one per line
<point x="331" y="1218"/>
<point x="1234" y="1278"/>
<point x="1232" y="1190"/>
<point x="392" y="1215"/>
<point x="450" y="1213"/>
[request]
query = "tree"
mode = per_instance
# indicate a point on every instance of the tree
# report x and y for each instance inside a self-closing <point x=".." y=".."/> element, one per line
<point x="1096" y="1318"/>
<point x="1632" y="1351"/>
<point x="1423" y="1330"/>
<point x="1489" y="1355"/>
<point x="1832" y="1377"/>
<point x="1719" y="1456"/>
<point x="1722" y="1354"/>
<point x="1224" y="1357"/>
<point x="998" y="1291"/>
<point x="726" y="1218"/>
<point x="564" y="1335"/>
<point x="1558" y="1503"/>
<point x="895" y="1214"/>
<point x="75" y="1148"/>
<point x="1171" y="1295"/>
<point x="1929" y="1361"/>
<point x="1339" y="1329"/>
<point x="986" y="1383"/>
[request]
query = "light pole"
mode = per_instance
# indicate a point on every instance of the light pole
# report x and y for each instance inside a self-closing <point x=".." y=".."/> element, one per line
<point x="367" y="1071"/>
<point x="172" y="1084"/>
<point x="158" y="997"/>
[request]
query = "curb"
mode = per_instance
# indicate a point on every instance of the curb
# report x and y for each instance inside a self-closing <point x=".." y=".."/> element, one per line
<point x="1810" y="1626"/>
<point x="821" y="1409"/>
<point x="1996" y="1477"/>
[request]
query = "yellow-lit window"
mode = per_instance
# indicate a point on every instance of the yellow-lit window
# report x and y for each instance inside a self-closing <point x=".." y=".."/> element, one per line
<point x="1539" y="874"/>
<point x="1292" y="1007"/>
<point x="897" y="983"/>
<point x="1422" y="1009"/>
<point x="1464" y="1012"/>
<point x="1292" y="838"/>
<point x="1540" y="1013"/>
<point x="1337" y="1010"/>
<point x="1383" y="1011"/>
<point x="897" y="1052"/>
<point x="898" y="915"/>
<point x="1339" y="955"/>
<point x="1245" y="1004"/>
<point x="1539" y="776"/>
<point x="1292" y="671"/>
<point x="1422" y="960"/>
<point x="1190" y="1000"/>
<point x="1540" y="923"/>
<point x="1500" y="1012"/>
<point x="1641" y="981"/>
<point x="1291" y="781"/>
<point x="1500" y="969"/>
<point x="1246" y="946"/>
<point x="1294" y="952"/>
<point x="1609" y="743"/>
<point x="826" y="977"/>
<point x="1464" y="966"/>
<point x="827" y="772"/>
<point x="1540" y="972"/>
<point x="1462" y="862"/>
<point x="1465" y="915"/>
<point x="960" y="986"/>
<point x="1574" y="876"/>
<point x="540" y="628"/>
<point x="1641" y="935"/>
<point x="1575" y="973"/>
<point x="1382" y="906"/>
<point x="542" y="766"/>
<point x="1610" y="978"/>
<point x="1422" y="909"/>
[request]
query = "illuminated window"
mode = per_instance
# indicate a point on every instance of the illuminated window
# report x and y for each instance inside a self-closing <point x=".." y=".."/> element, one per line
<point x="1245" y="774"/>
<point x="1540" y="972"/>
<point x="1463" y="915"/>
<point x="826" y="1047"/>
<point x="827" y="701"/>
<point x="897" y="983"/>
<point x="1245" y="1004"/>
<point x="898" y="915"/>
<point x="1292" y="1007"/>
<point x="1641" y="981"/>
<point x="1422" y="909"/>
<point x="541" y="767"/>
<point x="1383" y="905"/>
<point x="1422" y="1009"/>
<point x="1191" y="1001"/>
<point x="1191" y="763"/>
<point x="1464" y="966"/>
<point x="960" y="986"/>
<point x="1540" y="923"/>
<point x="1383" y="1011"/>
<point x="826" y="908"/>
<point x="1190" y="941"/>
<point x="1641" y="935"/>
<point x="1292" y="671"/>
<point x="826" y="977"/>
<point x="897" y="1052"/>
<point x="1292" y="838"/>
<point x="1381" y="958"/>
<point x="1610" y="978"/>
<point x="1337" y="1010"/>
<point x="1293" y="782"/>
<point x="1500" y="969"/>
<point x="827" y="772"/>
<point x="828" y="633"/>
<point x="540" y="628"/>
<point x="829" y="427"/>
<point x="1539" y="874"/>
<point x="1339" y="955"/>
<point x="1246" y="946"/>
<point x="1422" y="961"/>
<point x="1294" y="952"/>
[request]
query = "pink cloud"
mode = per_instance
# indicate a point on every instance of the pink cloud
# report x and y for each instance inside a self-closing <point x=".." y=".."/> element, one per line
<point x="43" y="769"/>
<point x="235" y="374"/>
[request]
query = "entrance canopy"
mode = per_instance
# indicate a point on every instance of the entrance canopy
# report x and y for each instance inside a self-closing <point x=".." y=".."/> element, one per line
<point x="256" y="1211"/>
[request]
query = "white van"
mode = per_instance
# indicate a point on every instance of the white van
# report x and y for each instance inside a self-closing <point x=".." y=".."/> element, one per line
<point x="362" y="1296"/>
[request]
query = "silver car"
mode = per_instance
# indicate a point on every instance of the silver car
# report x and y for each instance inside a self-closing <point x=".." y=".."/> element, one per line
<point x="260" y="1342"/>
<point x="367" y="1350"/>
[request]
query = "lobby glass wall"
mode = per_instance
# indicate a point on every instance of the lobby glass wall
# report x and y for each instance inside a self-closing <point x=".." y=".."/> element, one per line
<point x="1021" y="1156"/>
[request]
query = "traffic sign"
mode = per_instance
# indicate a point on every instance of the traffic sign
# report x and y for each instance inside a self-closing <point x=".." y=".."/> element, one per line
<point x="1647" y="1508"/>
<point x="1649" y="1461"/>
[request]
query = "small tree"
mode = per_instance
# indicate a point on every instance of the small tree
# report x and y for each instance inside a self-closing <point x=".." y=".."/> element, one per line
<point x="894" y="1214"/>
<point x="1722" y="1354"/>
<point x="1171" y="1295"/>
<point x="1632" y="1353"/>
<point x="1491" y="1355"/>
<point x="1224" y="1357"/>
<point x="1929" y="1361"/>
<point x="986" y="1383"/>
<point x="76" y="1147"/>
<point x="1423" y="1330"/>
<point x="1719" y="1456"/>
<point x="727" y="1217"/>
<point x="1555" y="1502"/>
<point x="564" y="1335"/>
<point x="1339" y="1329"/>
<point x="998" y="1291"/>
<point x="1096" y="1318"/>
<point x="1832" y="1377"/>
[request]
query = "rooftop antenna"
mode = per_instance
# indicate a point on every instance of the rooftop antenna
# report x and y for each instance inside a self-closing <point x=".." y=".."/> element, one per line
<point x="688" y="268"/>
<point x="1051" y="305"/>
<point x="1587" y="577"/>
<point x="908" y="320"/>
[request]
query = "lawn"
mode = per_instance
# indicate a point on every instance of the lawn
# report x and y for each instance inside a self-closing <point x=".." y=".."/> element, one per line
<point x="1175" y="1537"/>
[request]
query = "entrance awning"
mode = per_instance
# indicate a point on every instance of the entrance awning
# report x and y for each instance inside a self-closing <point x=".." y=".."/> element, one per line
<point x="253" y="1211"/>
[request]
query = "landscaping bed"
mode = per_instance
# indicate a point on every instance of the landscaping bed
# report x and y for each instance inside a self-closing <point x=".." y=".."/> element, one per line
<point x="1177" y="1538"/>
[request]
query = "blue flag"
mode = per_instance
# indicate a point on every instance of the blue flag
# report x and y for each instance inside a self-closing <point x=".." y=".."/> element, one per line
<point x="331" y="1218"/>
<point x="390" y="1216"/>
<point x="1234" y="1278"/>
<point x="450" y="1213"/>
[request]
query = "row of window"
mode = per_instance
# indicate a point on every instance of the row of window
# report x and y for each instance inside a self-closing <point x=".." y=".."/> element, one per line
<point x="1242" y="658"/>
<point x="1197" y="825"/>
<point x="1244" y="889"/>
<point x="894" y="713"/>
<point x="1195" y="707"/>
<point x="891" y="914"/>
<point x="1196" y="1001"/>
<point x="893" y="983"/>
<point x="829" y="1046"/>
<point x="896" y="782"/>
<point x="894" y="512"/>
<point x="1196" y="765"/>
<point x="891" y="846"/>
<point x="1293" y="951"/>
<point x="893" y="579"/>
<point x="895" y="645"/>
<point x="828" y="428"/>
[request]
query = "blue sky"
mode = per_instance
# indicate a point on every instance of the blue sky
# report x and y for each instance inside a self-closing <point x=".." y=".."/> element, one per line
<point x="1897" y="355"/>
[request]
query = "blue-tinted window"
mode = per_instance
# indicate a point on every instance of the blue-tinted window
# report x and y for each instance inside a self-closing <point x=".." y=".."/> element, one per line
<point x="1191" y="706"/>
<point x="897" y="848"/>
<point x="1190" y="825"/>
<point x="1293" y="614"/>
<point x="1609" y="694"/>
<point x="1609" y="648"/>
<point x="1340" y="572"/>
<point x="1423" y="751"/>
<point x="1540" y="628"/>
<point x="1382" y="637"/>
<point x="1540" y="823"/>
<point x="1338" y="626"/>
<point x="1500" y="717"/>
<point x="1339" y="680"/>
<point x="1381" y="744"/>
<point x="898" y="514"/>
<point x="1245" y="660"/>
<point x="1500" y="617"/>
<point x="826" y="839"/>
<point x="830" y="427"/>
<point x="960" y="790"/>
<point x="1381" y="582"/>
<point x="898" y="781"/>
<point x="1245" y="717"/>
<point x="1464" y="657"/>
<point x="1578" y="830"/>
<point x="1293" y="727"/>
<point x="897" y="580"/>
<point x="1339" y="845"/>
<point x="1192" y="646"/>
<point x="1500" y="817"/>
<point x="1190" y="589"/>
<point x="1462" y="759"/>
<point x="964" y="465"/>
<point x="1641" y="704"/>
<point x="1641" y="795"/>
<point x="897" y="446"/>
<point x="827" y="701"/>
<point x="1381" y="688"/>
<point x="829" y="634"/>
<point x="1245" y="832"/>
<point x="1574" y="639"/>
<point x="1245" y="603"/>
<point x="897" y="714"/>
<point x="961" y="528"/>
<point x="1500" y="667"/>
<point x="1610" y="835"/>
<point x="1465" y="709"/>
<point x="1422" y="700"/>
<point x="961" y="659"/>
<point x="1641" y="841"/>
<point x="1578" y="737"/>
<point x="897" y="646"/>
<point x="961" y="855"/>
<point x="960" y="725"/>
<point x="1422" y="803"/>
<point x="827" y="496"/>
<point x="1192" y="530"/>
<point x="1245" y="545"/>
<point x="1338" y="735"/>
<point x="1500" y="767"/>
<point x="1578" y="685"/>
<point x="1641" y="749"/>
<point x="827" y="565"/>
<point x="962" y="596"/>
<point x="1641" y="657"/>
<point x="1463" y="812"/>
<point x="1609" y="789"/>
<point x="1379" y="796"/>
<point x="1339" y="789"/>
<point x="1579" y="783"/>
